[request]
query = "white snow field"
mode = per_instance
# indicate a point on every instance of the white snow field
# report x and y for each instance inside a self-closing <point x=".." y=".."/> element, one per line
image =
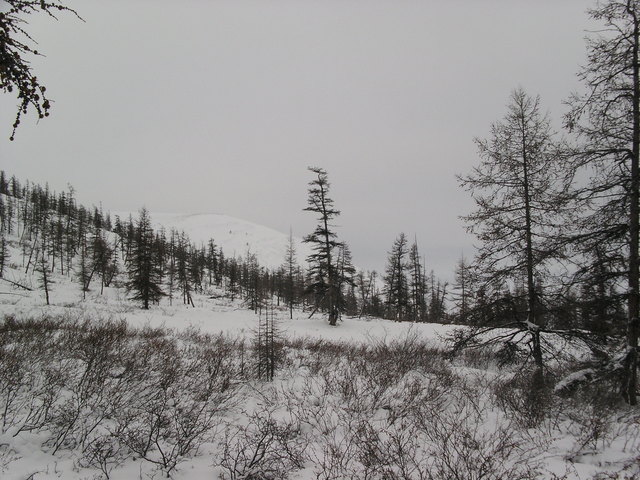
<point x="368" y="399"/>
<point x="236" y="237"/>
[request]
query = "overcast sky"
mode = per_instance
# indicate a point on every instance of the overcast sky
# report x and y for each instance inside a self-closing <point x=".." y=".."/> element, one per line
<point x="197" y="106"/>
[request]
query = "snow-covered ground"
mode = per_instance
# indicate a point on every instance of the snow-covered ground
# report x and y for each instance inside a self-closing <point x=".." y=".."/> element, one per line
<point x="210" y="315"/>
<point x="335" y="416"/>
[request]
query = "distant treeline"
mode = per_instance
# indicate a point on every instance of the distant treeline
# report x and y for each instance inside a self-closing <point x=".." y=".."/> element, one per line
<point x="55" y="234"/>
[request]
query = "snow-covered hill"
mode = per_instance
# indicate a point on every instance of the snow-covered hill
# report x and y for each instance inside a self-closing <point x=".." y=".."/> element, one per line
<point x="236" y="237"/>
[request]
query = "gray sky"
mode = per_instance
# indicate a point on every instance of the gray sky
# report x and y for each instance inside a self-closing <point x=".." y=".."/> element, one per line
<point x="198" y="106"/>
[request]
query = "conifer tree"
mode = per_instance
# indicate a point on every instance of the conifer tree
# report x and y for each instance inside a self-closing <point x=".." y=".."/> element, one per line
<point x="345" y="271"/>
<point x="365" y="284"/>
<point x="289" y="269"/>
<point x="184" y="269"/>
<point x="607" y="121"/>
<point x="172" y="265"/>
<point x="324" y="282"/>
<point x="3" y="214"/>
<point x="396" y="284"/>
<point x="212" y="260"/>
<point x="145" y="273"/>
<point x="84" y="271"/>
<point x="462" y="290"/>
<point x="102" y="259"/>
<point x="4" y="254"/>
<point x="16" y="49"/>
<point x="517" y="197"/>
<point x="43" y="269"/>
<point x="417" y="285"/>
<point x="437" y="310"/>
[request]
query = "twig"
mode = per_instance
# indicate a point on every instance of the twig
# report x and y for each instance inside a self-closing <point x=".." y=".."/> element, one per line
<point x="18" y="284"/>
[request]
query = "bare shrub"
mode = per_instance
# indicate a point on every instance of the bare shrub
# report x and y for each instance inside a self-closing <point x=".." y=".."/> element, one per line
<point x="94" y="351"/>
<point x="591" y="420"/>
<point x="104" y="453"/>
<point x="32" y="379"/>
<point x="110" y="392"/>
<point x="263" y="448"/>
<point x="467" y="440"/>
<point x="187" y="387"/>
<point x="462" y="448"/>
<point x="391" y="451"/>
<point x="524" y="401"/>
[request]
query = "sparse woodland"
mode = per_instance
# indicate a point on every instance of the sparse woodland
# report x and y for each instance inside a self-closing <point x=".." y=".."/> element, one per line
<point x="537" y="380"/>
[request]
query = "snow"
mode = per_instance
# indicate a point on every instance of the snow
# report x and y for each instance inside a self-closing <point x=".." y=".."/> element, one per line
<point x="236" y="237"/>
<point x="572" y="378"/>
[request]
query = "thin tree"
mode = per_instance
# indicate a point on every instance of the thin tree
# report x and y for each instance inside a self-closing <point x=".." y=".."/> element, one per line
<point x="267" y="344"/>
<point x="289" y="268"/>
<point x="43" y="269"/>
<point x="172" y="269"/>
<point x="345" y="271"/>
<point x="365" y="283"/>
<point x="84" y="269"/>
<point x="322" y="272"/>
<point x="515" y="192"/>
<point x="4" y="254"/>
<point x="437" y="310"/>
<point x="211" y="260"/>
<point x="462" y="289"/>
<point x="396" y="284"/>
<point x="417" y="284"/>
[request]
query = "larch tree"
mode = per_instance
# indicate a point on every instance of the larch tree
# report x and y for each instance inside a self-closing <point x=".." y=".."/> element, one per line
<point x="396" y="286"/>
<point x="324" y="284"/>
<point x="462" y="289"/>
<point x="437" y="300"/>
<point x="183" y="268"/>
<point x="345" y="273"/>
<point x="16" y="48"/>
<point x="606" y="119"/>
<point x="211" y="260"/>
<point x="145" y="272"/>
<point x="417" y="284"/>
<point x="289" y="269"/>
<point x="4" y="254"/>
<point x="43" y="266"/>
<point x="172" y="267"/>
<point x="516" y="195"/>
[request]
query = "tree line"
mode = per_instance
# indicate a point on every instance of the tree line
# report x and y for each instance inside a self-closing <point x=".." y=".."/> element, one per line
<point x="57" y="235"/>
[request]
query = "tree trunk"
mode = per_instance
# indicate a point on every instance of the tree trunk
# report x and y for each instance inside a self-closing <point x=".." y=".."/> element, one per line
<point x="631" y="363"/>
<point x="531" y="291"/>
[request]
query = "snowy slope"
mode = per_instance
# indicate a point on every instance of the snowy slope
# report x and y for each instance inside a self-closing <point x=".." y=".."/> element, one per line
<point x="235" y="236"/>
